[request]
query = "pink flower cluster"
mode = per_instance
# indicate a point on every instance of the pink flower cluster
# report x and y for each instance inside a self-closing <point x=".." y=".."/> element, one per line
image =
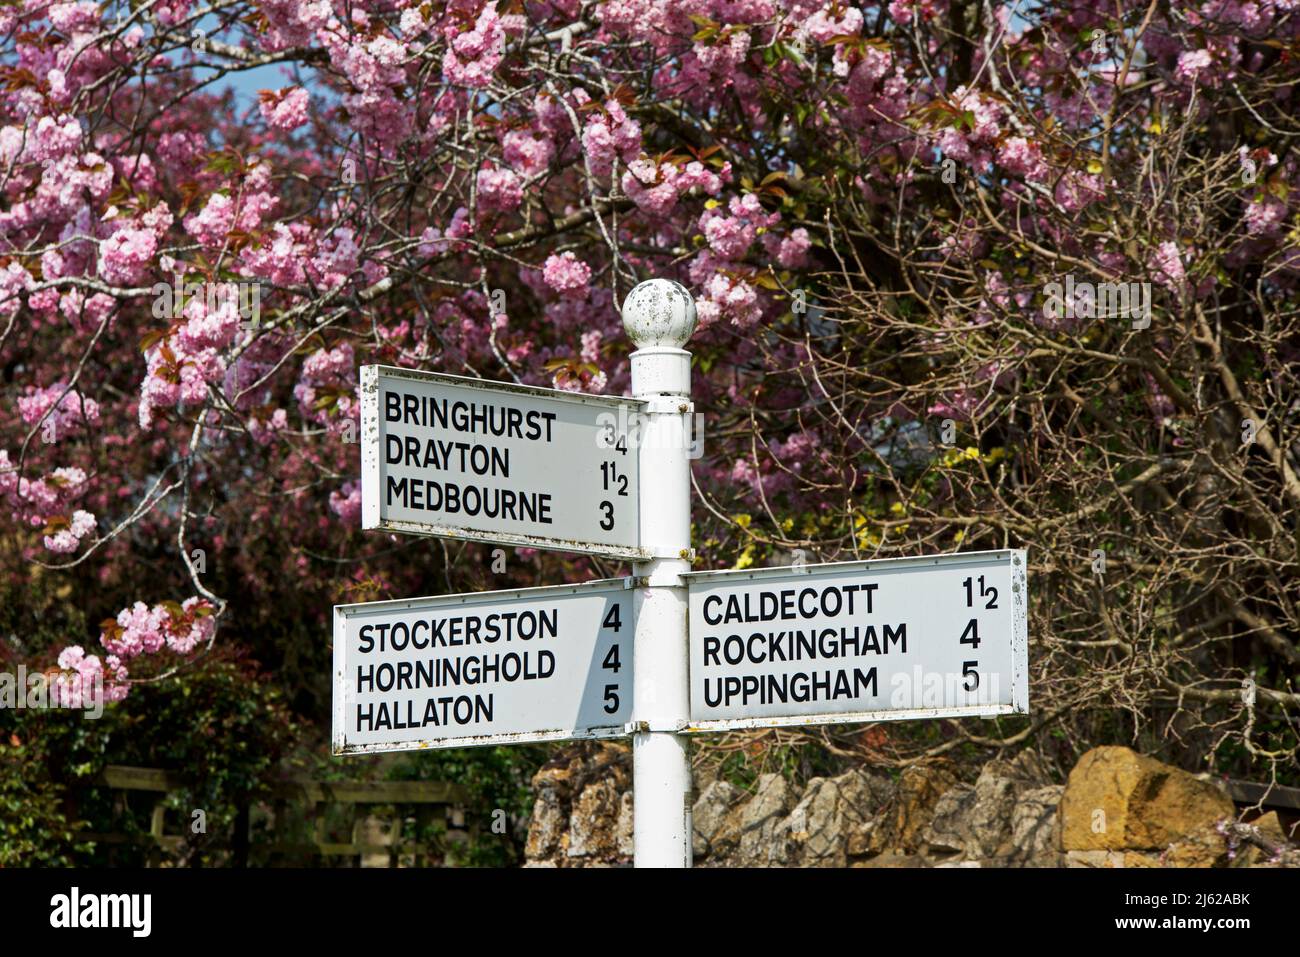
<point x="434" y="242"/>
<point x="142" y="630"/>
<point x="135" y="631"/>
<point x="567" y="275"/>
<point x="211" y="225"/>
<point x="70" y="412"/>
<point x="67" y="539"/>
<point x="499" y="190"/>
<point x="34" y="499"/>
<point x="608" y="135"/>
<point x="175" y="375"/>
<point x="728" y="295"/>
<point x="285" y="110"/>
<point x="473" y="56"/>
<point x="1166" y="266"/>
<point x="972" y="145"/>
<point x="832" y="20"/>
<point x="1076" y="190"/>
<point x="326" y="388"/>
<point x="1019" y="156"/>
<point x="527" y="151"/>
<point x="14" y="279"/>
<point x="1193" y="65"/>
<point x="83" y="677"/>
<point x="730" y="236"/>
<point x="903" y="11"/>
<point x="346" y="503"/>
<point x="656" y="187"/>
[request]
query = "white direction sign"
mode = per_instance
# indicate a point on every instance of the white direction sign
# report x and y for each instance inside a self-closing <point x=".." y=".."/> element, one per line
<point x="494" y="462"/>
<point x="859" y="641"/>
<point x="497" y="667"/>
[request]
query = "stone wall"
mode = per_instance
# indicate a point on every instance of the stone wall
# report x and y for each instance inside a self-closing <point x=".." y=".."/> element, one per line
<point x="1118" y="809"/>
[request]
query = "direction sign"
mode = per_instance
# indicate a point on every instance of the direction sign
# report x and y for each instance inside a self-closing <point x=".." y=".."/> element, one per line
<point x="494" y="462"/>
<point x="859" y="641"/>
<point x="497" y="667"/>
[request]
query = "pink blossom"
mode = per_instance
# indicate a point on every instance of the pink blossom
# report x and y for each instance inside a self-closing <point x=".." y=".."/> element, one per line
<point x="84" y="678"/>
<point x="1192" y="64"/>
<point x="499" y="190"/>
<point x="790" y="251"/>
<point x="67" y="539"/>
<point x="472" y="57"/>
<point x="139" y="630"/>
<point x="824" y="25"/>
<point x="1166" y="266"/>
<point x="1265" y="216"/>
<point x="567" y="275"/>
<point x="527" y="152"/>
<point x="1023" y="158"/>
<point x="73" y="410"/>
<point x="212" y="225"/>
<point x="125" y="254"/>
<point x="192" y="628"/>
<point x="1076" y="191"/>
<point x="608" y="135"/>
<point x="13" y="280"/>
<point x="336" y="259"/>
<point x="346" y="503"/>
<point x="285" y="109"/>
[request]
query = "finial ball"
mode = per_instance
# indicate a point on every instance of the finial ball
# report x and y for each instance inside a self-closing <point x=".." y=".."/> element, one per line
<point x="659" y="312"/>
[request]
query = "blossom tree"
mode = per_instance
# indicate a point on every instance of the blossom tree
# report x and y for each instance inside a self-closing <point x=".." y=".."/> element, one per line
<point x="870" y="204"/>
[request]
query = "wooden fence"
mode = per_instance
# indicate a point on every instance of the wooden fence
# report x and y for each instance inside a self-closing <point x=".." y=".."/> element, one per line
<point x="374" y="836"/>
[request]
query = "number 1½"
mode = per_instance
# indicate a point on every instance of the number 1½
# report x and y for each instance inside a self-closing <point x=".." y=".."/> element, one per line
<point x="985" y="591"/>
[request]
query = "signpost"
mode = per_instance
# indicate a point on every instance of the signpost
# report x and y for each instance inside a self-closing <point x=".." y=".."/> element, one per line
<point x="859" y="641"/>
<point x="494" y="462"/>
<point x="497" y="667"/>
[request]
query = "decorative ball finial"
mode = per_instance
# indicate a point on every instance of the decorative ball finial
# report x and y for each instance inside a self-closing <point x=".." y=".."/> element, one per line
<point x="659" y="312"/>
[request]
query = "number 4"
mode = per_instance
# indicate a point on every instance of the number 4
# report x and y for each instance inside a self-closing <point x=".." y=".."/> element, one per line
<point x="612" y="619"/>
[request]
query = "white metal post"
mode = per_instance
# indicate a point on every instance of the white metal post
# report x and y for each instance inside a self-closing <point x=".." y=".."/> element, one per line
<point x="659" y="317"/>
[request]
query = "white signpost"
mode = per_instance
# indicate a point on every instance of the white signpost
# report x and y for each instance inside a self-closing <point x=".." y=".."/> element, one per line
<point x="937" y="637"/>
<point x="494" y="462"/>
<point x="497" y="667"/>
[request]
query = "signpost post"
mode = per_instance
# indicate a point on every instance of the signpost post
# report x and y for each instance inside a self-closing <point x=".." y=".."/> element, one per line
<point x="659" y="316"/>
<point x="494" y="462"/>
